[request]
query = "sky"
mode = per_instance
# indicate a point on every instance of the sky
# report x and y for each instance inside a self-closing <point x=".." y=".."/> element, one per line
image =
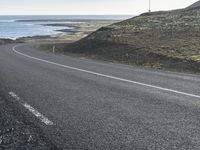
<point x="87" y="7"/>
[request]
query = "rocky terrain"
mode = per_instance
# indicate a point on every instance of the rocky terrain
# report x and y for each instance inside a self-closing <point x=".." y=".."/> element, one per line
<point x="162" y="40"/>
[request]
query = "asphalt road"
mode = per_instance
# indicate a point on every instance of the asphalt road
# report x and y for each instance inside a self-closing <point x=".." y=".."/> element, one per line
<point x="83" y="104"/>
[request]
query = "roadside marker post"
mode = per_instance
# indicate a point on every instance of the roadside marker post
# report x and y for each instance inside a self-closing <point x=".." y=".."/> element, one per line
<point x="53" y="48"/>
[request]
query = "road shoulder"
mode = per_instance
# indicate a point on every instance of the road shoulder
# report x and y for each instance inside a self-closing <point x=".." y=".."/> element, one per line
<point x="16" y="133"/>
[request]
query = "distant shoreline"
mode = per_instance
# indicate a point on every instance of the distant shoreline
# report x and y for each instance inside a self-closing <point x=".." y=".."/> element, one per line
<point x="70" y="30"/>
<point x="29" y="26"/>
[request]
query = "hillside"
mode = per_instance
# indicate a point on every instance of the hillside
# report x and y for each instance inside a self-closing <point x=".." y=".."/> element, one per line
<point x="6" y="41"/>
<point x="162" y="40"/>
<point x="197" y="4"/>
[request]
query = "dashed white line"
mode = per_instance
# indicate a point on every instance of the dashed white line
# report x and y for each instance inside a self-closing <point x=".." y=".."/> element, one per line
<point x="44" y="119"/>
<point x="37" y="114"/>
<point x="107" y="76"/>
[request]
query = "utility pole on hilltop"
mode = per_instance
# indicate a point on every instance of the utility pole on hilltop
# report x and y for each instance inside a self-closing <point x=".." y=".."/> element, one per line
<point x="149" y="6"/>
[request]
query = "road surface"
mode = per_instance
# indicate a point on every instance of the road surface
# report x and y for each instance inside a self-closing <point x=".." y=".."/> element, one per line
<point x="83" y="104"/>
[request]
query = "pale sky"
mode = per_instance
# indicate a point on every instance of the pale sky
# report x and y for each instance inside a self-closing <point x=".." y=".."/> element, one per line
<point x="86" y="7"/>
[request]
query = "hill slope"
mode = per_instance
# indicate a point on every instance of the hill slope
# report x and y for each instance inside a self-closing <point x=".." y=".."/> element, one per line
<point x="168" y="40"/>
<point x="197" y="4"/>
<point x="6" y="41"/>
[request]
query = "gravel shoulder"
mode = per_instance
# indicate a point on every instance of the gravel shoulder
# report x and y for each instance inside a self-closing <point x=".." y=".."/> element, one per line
<point x="16" y="133"/>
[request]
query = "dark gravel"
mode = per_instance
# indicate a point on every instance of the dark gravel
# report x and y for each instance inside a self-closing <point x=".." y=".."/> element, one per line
<point x="15" y="133"/>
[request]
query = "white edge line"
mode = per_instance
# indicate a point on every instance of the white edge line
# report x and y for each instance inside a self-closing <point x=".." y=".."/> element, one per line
<point x="107" y="76"/>
<point x="44" y="119"/>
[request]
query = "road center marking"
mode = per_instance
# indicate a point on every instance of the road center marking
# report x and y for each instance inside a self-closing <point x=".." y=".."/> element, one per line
<point x="106" y="76"/>
<point x="44" y="119"/>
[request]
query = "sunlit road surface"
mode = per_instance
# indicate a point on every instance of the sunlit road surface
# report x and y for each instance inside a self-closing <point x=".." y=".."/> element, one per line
<point x="84" y="104"/>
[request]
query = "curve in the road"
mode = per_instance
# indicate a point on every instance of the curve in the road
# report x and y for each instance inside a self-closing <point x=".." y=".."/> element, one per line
<point x="104" y="75"/>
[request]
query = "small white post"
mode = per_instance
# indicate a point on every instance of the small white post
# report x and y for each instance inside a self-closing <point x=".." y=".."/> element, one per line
<point x="53" y="48"/>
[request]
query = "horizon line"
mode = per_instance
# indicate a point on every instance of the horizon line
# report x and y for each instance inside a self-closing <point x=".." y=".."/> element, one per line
<point x="68" y="15"/>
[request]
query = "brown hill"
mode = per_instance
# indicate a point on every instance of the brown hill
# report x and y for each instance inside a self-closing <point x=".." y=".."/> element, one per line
<point x="168" y="40"/>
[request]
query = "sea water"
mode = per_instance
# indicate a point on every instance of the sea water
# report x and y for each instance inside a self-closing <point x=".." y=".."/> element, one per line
<point x="13" y="27"/>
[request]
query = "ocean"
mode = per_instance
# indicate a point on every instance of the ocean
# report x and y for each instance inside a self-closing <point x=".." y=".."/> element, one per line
<point x="13" y="27"/>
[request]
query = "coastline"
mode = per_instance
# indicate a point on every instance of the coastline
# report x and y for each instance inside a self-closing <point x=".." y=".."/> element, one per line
<point x="72" y="31"/>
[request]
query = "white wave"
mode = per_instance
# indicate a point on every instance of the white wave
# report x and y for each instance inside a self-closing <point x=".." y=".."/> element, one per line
<point x="7" y="20"/>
